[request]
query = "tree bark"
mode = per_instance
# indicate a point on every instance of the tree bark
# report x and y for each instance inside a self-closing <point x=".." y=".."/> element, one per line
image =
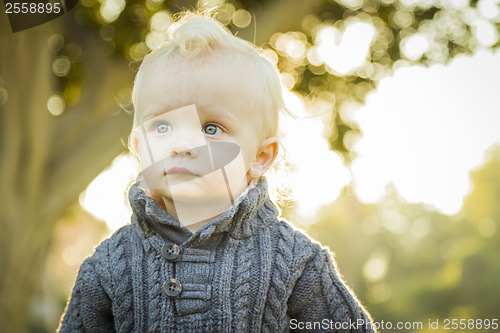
<point x="45" y="160"/>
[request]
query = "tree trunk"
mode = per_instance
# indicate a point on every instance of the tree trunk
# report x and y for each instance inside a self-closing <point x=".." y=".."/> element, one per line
<point x="46" y="161"/>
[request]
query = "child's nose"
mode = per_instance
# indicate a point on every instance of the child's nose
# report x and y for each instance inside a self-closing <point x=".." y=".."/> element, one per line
<point x="185" y="146"/>
<point x="180" y="151"/>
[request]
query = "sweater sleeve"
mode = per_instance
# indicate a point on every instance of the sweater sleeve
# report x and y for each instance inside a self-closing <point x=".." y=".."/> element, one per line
<point x="321" y="298"/>
<point x="89" y="308"/>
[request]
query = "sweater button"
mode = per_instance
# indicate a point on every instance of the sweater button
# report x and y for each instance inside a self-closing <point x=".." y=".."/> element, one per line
<point x="170" y="251"/>
<point x="172" y="288"/>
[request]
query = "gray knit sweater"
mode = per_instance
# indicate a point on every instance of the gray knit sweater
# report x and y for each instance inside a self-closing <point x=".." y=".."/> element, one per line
<point x="245" y="271"/>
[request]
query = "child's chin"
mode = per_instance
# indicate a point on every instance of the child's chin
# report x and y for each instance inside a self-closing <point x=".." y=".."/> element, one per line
<point x="192" y="193"/>
<point x="196" y="197"/>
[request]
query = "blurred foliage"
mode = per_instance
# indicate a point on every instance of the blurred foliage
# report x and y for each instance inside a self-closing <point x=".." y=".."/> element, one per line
<point x="330" y="59"/>
<point x="409" y="263"/>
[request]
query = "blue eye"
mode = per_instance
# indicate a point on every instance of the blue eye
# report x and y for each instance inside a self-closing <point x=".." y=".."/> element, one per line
<point x="162" y="128"/>
<point x="212" y="129"/>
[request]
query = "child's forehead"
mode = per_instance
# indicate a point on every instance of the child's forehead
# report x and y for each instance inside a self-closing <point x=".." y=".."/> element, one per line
<point x="225" y="83"/>
<point x="191" y="113"/>
<point x="225" y="74"/>
<point x="210" y="89"/>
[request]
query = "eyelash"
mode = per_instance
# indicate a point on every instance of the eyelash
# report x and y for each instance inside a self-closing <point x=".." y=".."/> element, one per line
<point x="154" y="126"/>
<point x="216" y="125"/>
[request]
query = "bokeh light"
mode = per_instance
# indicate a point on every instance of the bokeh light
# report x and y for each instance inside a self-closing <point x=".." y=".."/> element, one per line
<point x="111" y="9"/>
<point x="56" y="105"/>
<point x="376" y="267"/>
<point x="242" y="18"/>
<point x="61" y="66"/>
<point x="55" y="42"/>
<point x="225" y="13"/>
<point x="344" y="52"/>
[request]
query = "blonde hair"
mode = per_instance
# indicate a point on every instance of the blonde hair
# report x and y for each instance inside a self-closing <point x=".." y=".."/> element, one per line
<point x="197" y="37"/>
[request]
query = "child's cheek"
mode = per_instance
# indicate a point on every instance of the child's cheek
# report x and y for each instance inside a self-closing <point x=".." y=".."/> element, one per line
<point x="154" y="177"/>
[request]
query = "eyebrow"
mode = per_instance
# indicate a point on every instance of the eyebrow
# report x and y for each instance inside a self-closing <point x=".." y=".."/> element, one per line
<point x="219" y="113"/>
<point x="163" y="109"/>
<point x="151" y="115"/>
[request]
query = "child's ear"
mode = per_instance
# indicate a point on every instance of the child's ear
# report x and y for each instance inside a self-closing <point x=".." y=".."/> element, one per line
<point x="266" y="154"/>
<point x="133" y="143"/>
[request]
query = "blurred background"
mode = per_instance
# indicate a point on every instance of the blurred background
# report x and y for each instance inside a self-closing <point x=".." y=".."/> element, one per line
<point x="393" y="157"/>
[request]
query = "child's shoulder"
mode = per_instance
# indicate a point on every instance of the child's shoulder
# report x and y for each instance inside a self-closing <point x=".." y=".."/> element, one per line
<point x="117" y="245"/>
<point x="295" y="235"/>
<point x="295" y="240"/>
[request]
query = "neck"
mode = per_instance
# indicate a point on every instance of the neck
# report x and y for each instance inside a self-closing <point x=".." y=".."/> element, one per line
<point x="194" y="215"/>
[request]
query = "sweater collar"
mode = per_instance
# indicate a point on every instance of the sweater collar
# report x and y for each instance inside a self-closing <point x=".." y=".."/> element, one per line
<point x="252" y="210"/>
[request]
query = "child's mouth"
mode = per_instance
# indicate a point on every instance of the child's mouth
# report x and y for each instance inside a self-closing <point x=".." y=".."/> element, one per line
<point x="177" y="170"/>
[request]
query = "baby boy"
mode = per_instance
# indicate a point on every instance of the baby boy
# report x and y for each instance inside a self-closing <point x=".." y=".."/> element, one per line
<point x="206" y="250"/>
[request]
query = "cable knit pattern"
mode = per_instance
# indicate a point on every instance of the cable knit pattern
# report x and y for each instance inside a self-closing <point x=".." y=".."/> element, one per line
<point x="155" y="292"/>
<point x="245" y="271"/>
<point x="122" y="285"/>
<point x="242" y="285"/>
<point x="275" y="310"/>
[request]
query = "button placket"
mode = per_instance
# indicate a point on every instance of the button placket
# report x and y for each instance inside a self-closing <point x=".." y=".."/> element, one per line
<point x="171" y="252"/>
<point x="187" y="258"/>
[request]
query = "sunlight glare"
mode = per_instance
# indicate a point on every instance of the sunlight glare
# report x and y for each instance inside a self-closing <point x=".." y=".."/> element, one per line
<point x="351" y="52"/>
<point x="425" y="129"/>
<point x="106" y="196"/>
<point x="320" y="174"/>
